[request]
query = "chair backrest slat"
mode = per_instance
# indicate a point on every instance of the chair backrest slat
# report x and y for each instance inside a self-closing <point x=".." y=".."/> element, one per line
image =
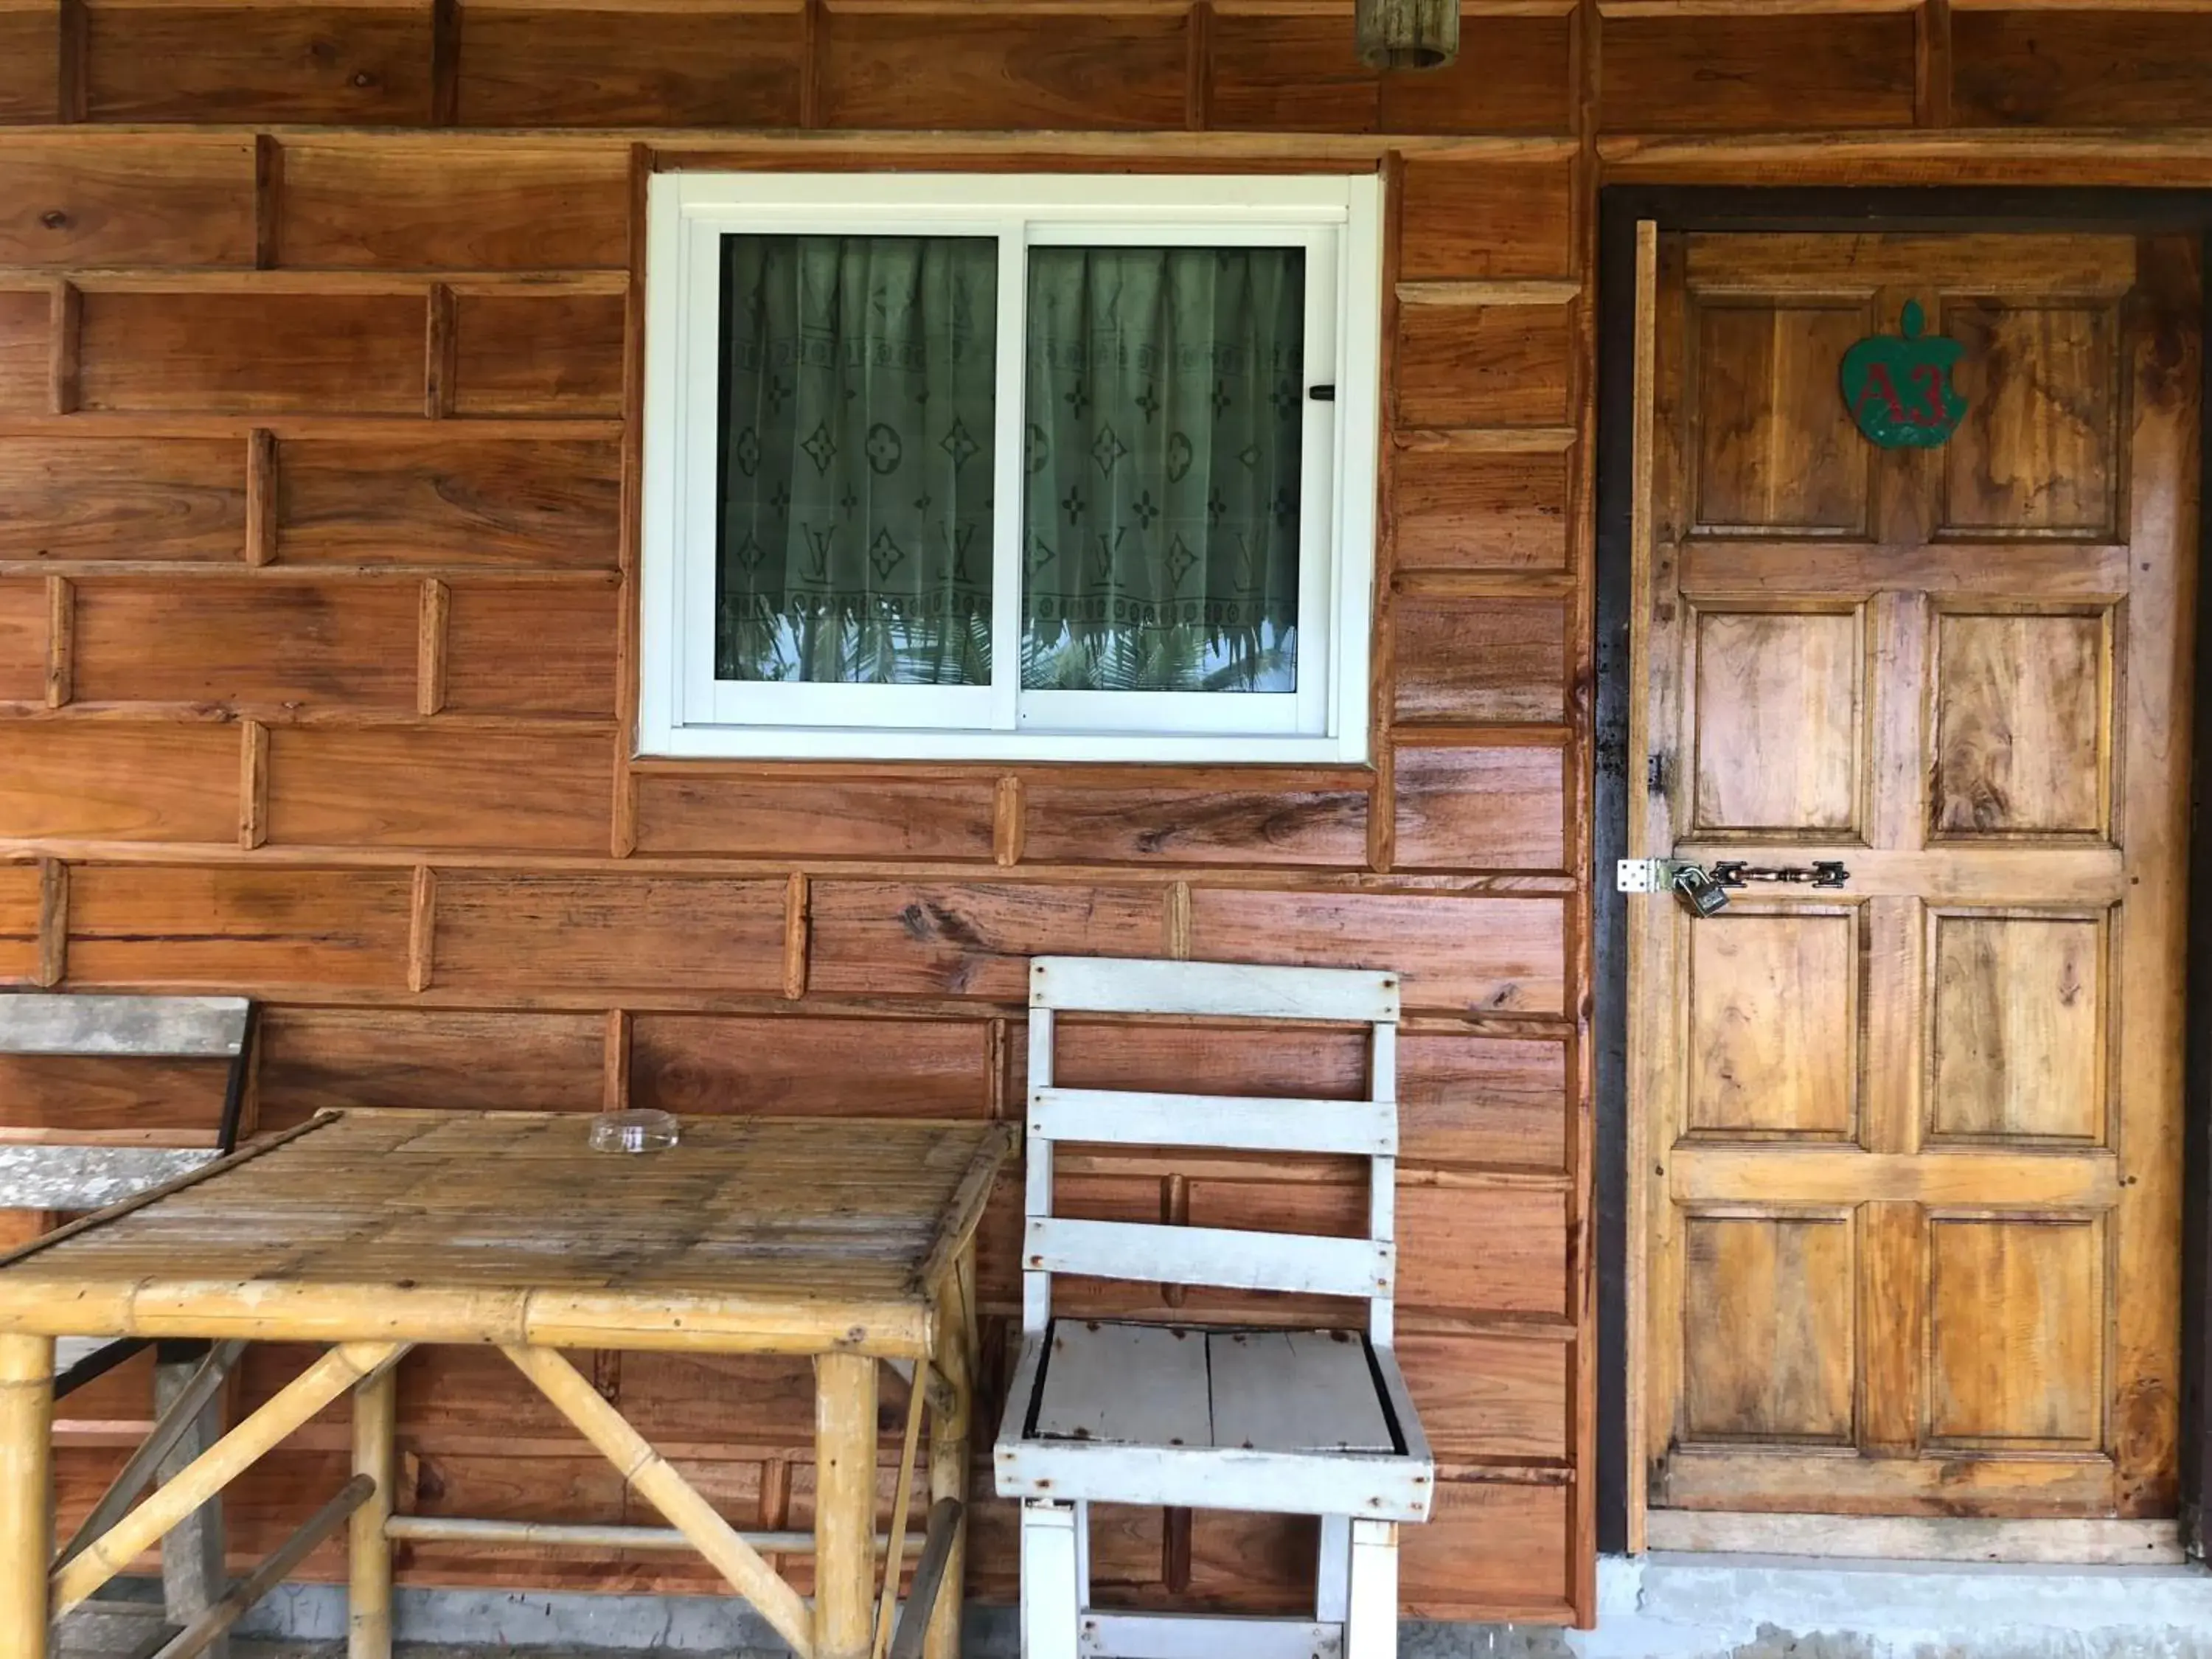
<point x="1290" y="1262"/>
<point x="1361" y="1128"/>
<point x="53" y="1172"/>
<point x="149" y="1027"/>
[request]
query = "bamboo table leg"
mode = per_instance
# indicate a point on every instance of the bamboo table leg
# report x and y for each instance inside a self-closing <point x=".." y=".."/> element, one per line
<point x="948" y="1453"/>
<point x="844" y="1504"/>
<point x="368" y="1570"/>
<point x="27" y="1412"/>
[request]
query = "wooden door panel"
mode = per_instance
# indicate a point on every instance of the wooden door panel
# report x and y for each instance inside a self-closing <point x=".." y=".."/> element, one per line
<point x="1907" y="1147"/>
<point x="1775" y="447"/>
<point x="1773" y="1022"/>
<point x="2023" y="718"/>
<point x="1776" y="721"/>
<point x="2016" y="1346"/>
<point x="1767" y="1328"/>
<point x="2018" y="1041"/>
<point x="2037" y="453"/>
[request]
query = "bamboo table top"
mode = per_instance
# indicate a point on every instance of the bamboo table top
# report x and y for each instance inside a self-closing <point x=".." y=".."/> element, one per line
<point x="780" y="1235"/>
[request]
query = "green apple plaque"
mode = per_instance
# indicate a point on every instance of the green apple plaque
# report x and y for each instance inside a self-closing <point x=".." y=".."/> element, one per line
<point x="1899" y="385"/>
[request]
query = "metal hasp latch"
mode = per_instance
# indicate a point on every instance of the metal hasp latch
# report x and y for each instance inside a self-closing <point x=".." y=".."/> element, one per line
<point x="1705" y="893"/>
<point x="1828" y="872"/>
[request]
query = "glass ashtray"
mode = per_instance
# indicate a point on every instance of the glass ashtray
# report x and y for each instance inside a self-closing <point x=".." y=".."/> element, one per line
<point x="633" y="1132"/>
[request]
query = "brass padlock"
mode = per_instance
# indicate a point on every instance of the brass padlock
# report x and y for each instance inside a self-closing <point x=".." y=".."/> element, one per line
<point x="1701" y="895"/>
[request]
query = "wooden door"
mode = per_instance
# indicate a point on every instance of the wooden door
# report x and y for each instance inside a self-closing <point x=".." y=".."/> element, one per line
<point x="1911" y="1148"/>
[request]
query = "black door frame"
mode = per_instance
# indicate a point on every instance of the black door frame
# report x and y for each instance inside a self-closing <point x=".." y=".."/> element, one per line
<point x="1721" y="208"/>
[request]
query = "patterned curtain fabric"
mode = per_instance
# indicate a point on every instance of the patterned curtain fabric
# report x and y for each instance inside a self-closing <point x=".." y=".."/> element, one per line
<point x="858" y="390"/>
<point x="1160" y="523"/>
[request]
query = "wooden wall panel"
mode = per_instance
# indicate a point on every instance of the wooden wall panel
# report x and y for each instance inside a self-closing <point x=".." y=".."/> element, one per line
<point x="1743" y="72"/>
<point x="18" y="923"/>
<point x="1100" y="67"/>
<point x="1175" y="818"/>
<point x="182" y="201"/>
<point x="1489" y="1102"/>
<point x="811" y="818"/>
<point x="1458" y="509"/>
<point x="972" y="939"/>
<point x="23" y="626"/>
<point x="929" y="1068"/>
<point x="1467" y="220"/>
<point x="2085" y="69"/>
<point x="317" y="1058"/>
<point x="620" y="66"/>
<point x="108" y="498"/>
<point x="558" y="354"/>
<point x="1484" y="365"/>
<point x="484" y="208"/>
<point x="603" y="934"/>
<point x="1513" y="74"/>
<point x="1490" y="955"/>
<point x="277" y="648"/>
<point x="1481" y="660"/>
<point x="30" y="71"/>
<point x="1493" y="1398"/>
<point x="442" y="500"/>
<point x="402" y="787"/>
<point x="26" y="345"/>
<point x="1491" y="1250"/>
<point x="1481" y="809"/>
<point x="1294" y="73"/>
<point x="1491" y="1545"/>
<point x="364" y="65"/>
<point x="522" y="648"/>
<point x="94" y="781"/>
<point x="329" y="353"/>
<point x="236" y="928"/>
<point x="104" y="1095"/>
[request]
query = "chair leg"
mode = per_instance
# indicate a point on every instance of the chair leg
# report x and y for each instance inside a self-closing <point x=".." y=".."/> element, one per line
<point x="1333" y="1582"/>
<point x="1371" y="1629"/>
<point x="1048" y="1580"/>
<point x="193" y="1578"/>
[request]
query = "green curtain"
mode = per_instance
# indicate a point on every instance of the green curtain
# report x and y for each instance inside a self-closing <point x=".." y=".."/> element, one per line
<point x="857" y="395"/>
<point x="1160" y="519"/>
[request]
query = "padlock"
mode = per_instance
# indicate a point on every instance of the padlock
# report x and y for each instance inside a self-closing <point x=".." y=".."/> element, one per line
<point x="1701" y="895"/>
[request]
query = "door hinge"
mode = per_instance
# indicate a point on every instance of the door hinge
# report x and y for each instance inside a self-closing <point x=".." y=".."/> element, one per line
<point x="1657" y="774"/>
<point x="1643" y="875"/>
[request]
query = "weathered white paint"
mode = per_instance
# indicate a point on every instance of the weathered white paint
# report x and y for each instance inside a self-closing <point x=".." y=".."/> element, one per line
<point x="1158" y="1636"/>
<point x="1359" y="1128"/>
<point x="1295" y="1391"/>
<point x="1228" y="990"/>
<point x="1130" y="1385"/>
<point x="1292" y="1262"/>
<point x="1371" y="1630"/>
<point x="1387" y="1486"/>
<point x="166" y="1028"/>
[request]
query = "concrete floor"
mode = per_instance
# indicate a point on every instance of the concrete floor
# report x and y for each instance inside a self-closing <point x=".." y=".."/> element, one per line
<point x="1658" y="1606"/>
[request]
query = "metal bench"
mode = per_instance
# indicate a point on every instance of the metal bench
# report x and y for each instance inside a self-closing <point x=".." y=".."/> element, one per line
<point x="1296" y="1422"/>
<point x="57" y="1172"/>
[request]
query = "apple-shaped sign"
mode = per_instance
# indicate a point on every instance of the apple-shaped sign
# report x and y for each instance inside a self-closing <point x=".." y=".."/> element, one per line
<point x="1899" y="385"/>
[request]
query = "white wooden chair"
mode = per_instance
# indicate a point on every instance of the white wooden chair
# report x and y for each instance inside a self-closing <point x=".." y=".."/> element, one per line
<point x="1297" y="1422"/>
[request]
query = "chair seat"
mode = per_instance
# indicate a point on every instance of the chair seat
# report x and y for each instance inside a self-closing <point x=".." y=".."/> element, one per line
<point x="1298" y="1422"/>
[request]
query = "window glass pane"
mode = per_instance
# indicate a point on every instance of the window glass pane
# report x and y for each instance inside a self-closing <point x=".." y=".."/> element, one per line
<point x="858" y="376"/>
<point x="1160" y="519"/>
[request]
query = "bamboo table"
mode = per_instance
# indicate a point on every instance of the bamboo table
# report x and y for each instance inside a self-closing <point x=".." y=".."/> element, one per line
<point x="851" y="1240"/>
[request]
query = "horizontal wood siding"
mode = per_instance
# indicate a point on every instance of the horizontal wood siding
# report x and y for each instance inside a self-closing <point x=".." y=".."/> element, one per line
<point x="316" y="554"/>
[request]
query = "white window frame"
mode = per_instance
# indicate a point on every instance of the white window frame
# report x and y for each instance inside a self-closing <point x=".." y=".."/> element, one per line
<point x="683" y="710"/>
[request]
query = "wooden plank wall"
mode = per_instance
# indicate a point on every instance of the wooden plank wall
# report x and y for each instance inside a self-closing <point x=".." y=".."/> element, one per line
<point x="317" y="540"/>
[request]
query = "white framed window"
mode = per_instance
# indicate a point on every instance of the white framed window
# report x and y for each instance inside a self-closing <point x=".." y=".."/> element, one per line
<point x="1010" y="467"/>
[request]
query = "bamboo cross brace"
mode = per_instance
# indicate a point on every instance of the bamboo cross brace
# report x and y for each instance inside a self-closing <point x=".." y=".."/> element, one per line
<point x="217" y="1466"/>
<point x="894" y="1557"/>
<point x="659" y="1484"/>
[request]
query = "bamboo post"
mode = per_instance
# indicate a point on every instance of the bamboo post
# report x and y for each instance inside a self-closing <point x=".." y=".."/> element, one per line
<point x="918" y="1390"/>
<point x="844" y="1502"/>
<point x="27" y="1410"/>
<point x="651" y="1476"/>
<point x="368" y="1550"/>
<point x="204" y="1632"/>
<point x="217" y="1467"/>
<point x="948" y="1447"/>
